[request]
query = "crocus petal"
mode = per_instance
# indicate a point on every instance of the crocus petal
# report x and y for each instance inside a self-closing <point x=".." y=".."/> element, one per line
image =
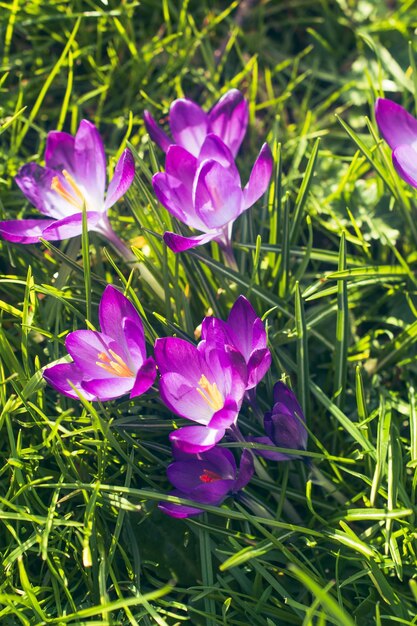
<point x="108" y="388"/>
<point x="229" y="119"/>
<point x="24" y="231"/>
<point x="176" y="198"/>
<point x="90" y="159"/>
<point x="226" y="416"/>
<point x="188" y="124"/>
<point x="177" y="355"/>
<point x="188" y="477"/>
<point x="182" y="397"/>
<point x="215" y="149"/>
<point x="181" y="164"/>
<point x="85" y="346"/>
<point x="123" y="176"/>
<point x="59" y="151"/>
<point x="259" y="177"/>
<point x="270" y="454"/>
<point x="113" y="309"/>
<point x="241" y="319"/>
<point x="144" y="378"/>
<point x="246" y="470"/>
<point x="155" y="132"/>
<point x="195" y="439"/>
<point x="405" y="162"/>
<point x="179" y="511"/>
<point x="178" y="243"/>
<point x="396" y="125"/>
<point x="70" y="226"/>
<point x="59" y="375"/>
<point x="218" y="198"/>
<point x="36" y="184"/>
<point x="258" y="365"/>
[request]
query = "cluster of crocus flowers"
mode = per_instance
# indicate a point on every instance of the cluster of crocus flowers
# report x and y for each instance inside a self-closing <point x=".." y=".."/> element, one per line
<point x="201" y="185"/>
<point x="399" y="129"/>
<point x="72" y="181"/>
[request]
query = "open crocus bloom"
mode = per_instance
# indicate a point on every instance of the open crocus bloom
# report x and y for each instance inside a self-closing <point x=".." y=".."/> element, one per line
<point x="110" y="363"/>
<point x="74" y="176"/>
<point x="284" y="425"/>
<point x="206" y="478"/>
<point x="206" y="192"/>
<point x="190" y="125"/>
<point x="245" y="331"/>
<point x="204" y="384"/>
<point x="399" y="129"/>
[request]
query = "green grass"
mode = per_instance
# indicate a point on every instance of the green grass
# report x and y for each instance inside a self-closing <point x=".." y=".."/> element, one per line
<point x="327" y="258"/>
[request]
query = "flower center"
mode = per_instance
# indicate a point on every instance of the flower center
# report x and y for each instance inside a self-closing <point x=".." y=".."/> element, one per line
<point x="117" y="367"/>
<point x="210" y="393"/>
<point x="75" y="196"/>
<point x="209" y="477"/>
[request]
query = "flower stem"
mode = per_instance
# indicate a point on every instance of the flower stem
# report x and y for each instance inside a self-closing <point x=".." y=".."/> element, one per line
<point x="229" y="256"/>
<point x="126" y="253"/>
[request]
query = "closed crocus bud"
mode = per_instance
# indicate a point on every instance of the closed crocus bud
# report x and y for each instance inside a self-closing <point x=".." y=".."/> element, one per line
<point x="205" y="478"/>
<point x="284" y="425"/>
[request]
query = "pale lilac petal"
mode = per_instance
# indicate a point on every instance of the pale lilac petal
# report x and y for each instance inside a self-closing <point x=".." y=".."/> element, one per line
<point x="178" y="243"/>
<point x="144" y="378"/>
<point x="176" y="198"/>
<point x="24" y="231"/>
<point x="181" y="164"/>
<point x="108" y="388"/>
<point x="246" y="470"/>
<point x="226" y="416"/>
<point x="155" y="132"/>
<point x="229" y="119"/>
<point x="214" y="149"/>
<point x="85" y="346"/>
<point x="90" y="160"/>
<point x="195" y="439"/>
<point x="123" y="176"/>
<point x="70" y="226"/>
<point x="59" y="375"/>
<point x="218" y="198"/>
<point x="59" y="151"/>
<point x="179" y="511"/>
<point x="396" y="125"/>
<point x="180" y="395"/>
<point x="405" y="162"/>
<point x="35" y="182"/>
<point x="188" y="124"/>
<point x="259" y="177"/>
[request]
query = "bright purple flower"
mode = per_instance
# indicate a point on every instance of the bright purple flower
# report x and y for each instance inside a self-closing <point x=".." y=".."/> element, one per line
<point x="206" y="192"/>
<point x="204" y="384"/>
<point x="206" y="478"/>
<point x="399" y="129"/>
<point x="190" y="125"/>
<point x="74" y="176"/>
<point x="110" y="363"/>
<point x="284" y="425"/>
<point x="245" y="331"/>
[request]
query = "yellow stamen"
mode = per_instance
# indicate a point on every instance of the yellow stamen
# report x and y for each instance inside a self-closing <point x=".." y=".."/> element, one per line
<point x="210" y="393"/>
<point x="76" y="198"/>
<point x="117" y="367"/>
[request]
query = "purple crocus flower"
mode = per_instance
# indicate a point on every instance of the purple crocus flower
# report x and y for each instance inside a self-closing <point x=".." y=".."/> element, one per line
<point x="204" y="384"/>
<point x="284" y="425"/>
<point x="110" y="363"/>
<point x="206" y="478"/>
<point x="246" y="332"/>
<point x="205" y="192"/>
<point x="399" y="129"/>
<point x="74" y="176"/>
<point x="190" y="125"/>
